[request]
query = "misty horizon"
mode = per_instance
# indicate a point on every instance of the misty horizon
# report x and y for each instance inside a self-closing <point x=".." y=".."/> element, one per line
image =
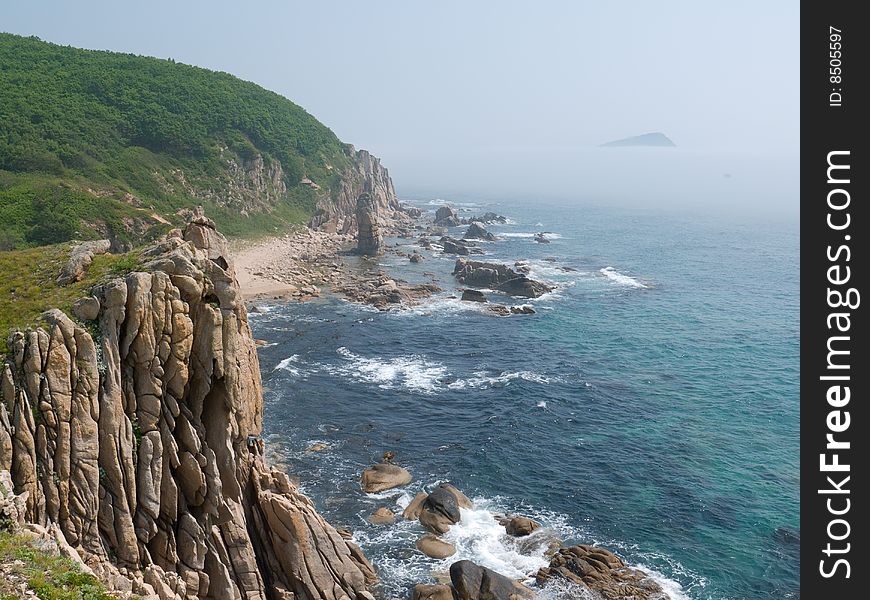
<point x="478" y="99"/>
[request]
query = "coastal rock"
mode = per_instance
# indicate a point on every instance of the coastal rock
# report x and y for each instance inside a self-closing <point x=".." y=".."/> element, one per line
<point x="416" y="258"/>
<point x="412" y="511"/>
<point x="141" y="448"/>
<point x="541" y="238"/>
<point x="446" y="217"/>
<point x="369" y="239"/>
<point x="476" y="231"/>
<point x="519" y="526"/>
<point x="473" y="296"/>
<point x="440" y="510"/>
<point x="523" y="309"/>
<point x="459" y="247"/>
<point x="473" y="582"/>
<point x="498" y="277"/>
<point x="382" y="516"/>
<point x="486" y="218"/>
<point x="434" y="547"/>
<point x="384" y="476"/>
<point x="80" y="258"/>
<point x="438" y="591"/>
<point x="600" y="572"/>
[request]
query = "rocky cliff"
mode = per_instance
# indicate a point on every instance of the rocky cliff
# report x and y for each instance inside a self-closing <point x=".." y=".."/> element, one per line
<point x="338" y="211"/>
<point x="131" y="436"/>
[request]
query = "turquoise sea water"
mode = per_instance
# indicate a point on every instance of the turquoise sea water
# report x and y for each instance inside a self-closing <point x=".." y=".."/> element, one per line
<point x="651" y="404"/>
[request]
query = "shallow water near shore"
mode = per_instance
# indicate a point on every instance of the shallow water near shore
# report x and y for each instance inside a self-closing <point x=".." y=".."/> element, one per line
<point x="650" y="405"/>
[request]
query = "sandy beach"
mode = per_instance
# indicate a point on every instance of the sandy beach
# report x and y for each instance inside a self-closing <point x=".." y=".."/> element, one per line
<point x="293" y="266"/>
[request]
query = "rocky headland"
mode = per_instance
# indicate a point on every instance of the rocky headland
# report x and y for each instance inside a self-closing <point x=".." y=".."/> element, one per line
<point x="132" y="441"/>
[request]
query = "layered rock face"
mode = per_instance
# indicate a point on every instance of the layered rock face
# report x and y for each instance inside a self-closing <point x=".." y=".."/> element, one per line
<point x="136" y="437"/>
<point x="367" y="175"/>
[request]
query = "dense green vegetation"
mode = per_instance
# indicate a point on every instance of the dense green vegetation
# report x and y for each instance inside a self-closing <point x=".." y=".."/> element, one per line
<point x="45" y="576"/>
<point x="95" y="143"/>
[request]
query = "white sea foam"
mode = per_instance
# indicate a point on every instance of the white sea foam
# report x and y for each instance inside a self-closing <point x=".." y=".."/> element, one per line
<point x="620" y="278"/>
<point x="480" y="538"/>
<point x="288" y="364"/>
<point x="516" y="234"/>
<point x="482" y="379"/>
<point x="412" y="372"/>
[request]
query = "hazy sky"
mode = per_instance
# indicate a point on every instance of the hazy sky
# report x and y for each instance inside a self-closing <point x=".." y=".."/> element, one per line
<point x="412" y="79"/>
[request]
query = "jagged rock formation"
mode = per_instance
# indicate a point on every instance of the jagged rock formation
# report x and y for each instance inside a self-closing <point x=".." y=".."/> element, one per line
<point x="499" y="277"/>
<point x="137" y="438"/>
<point x="369" y="241"/>
<point x="600" y="572"/>
<point x="446" y="217"/>
<point x="337" y="211"/>
<point x="476" y="231"/>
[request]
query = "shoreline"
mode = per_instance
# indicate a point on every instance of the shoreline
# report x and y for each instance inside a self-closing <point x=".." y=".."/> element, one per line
<point x="292" y="266"/>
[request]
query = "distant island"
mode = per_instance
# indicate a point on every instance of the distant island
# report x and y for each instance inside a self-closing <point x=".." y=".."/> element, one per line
<point x="648" y="139"/>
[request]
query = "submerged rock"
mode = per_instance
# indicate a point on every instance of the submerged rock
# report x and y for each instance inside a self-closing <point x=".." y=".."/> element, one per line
<point x="498" y="277"/>
<point x="473" y="296"/>
<point x="384" y="476"/>
<point x="382" y="516"/>
<point x="541" y="238"/>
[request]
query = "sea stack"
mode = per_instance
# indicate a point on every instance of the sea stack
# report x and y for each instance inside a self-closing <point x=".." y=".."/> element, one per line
<point x="369" y="240"/>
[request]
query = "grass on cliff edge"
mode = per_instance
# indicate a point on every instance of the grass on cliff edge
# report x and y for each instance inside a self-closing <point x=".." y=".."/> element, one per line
<point x="28" y="283"/>
<point x="49" y="577"/>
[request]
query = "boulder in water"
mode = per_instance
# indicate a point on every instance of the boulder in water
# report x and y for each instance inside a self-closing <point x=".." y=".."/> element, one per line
<point x="601" y="572"/>
<point x="412" y="511"/>
<point x="434" y="547"/>
<point x="384" y="476"/>
<point x="382" y="516"/>
<point x="473" y="582"/>
<point x="446" y="217"/>
<point x="498" y="277"/>
<point x="473" y="296"/>
<point x="519" y="526"/>
<point x="476" y="231"/>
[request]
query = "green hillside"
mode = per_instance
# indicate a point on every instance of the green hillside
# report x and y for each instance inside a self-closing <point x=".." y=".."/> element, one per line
<point x="103" y="144"/>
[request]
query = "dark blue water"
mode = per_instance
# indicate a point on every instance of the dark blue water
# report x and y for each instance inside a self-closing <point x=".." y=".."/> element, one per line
<point x="651" y="404"/>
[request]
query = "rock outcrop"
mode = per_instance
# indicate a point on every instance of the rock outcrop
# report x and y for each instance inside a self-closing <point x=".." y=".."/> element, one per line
<point x="336" y="209"/>
<point x="600" y="572"/>
<point x="486" y="218"/>
<point x="369" y="239"/>
<point x="476" y="231"/>
<point x="80" y="258"/>
<point x="137" y="438"/>
<point x="459" y="247"/>
<point x="499" y="277"/>
<point x="446" y="217"/>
